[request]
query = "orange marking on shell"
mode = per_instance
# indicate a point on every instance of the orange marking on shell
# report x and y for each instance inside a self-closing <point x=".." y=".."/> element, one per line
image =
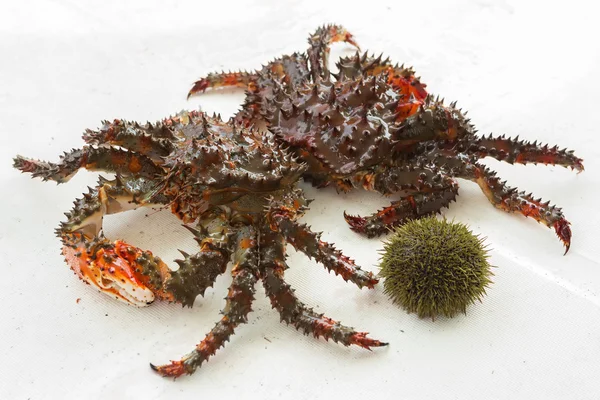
<point x="368" y="181"/>
<point x="207" y="346"/>
<point x="134" y="165"/>
<point x="77" y="259"/>
<point x="340" y="35"/>
<point x="411" y="200"/>
<point x="297" y="204"/>
<point x="277" y="68"/>
<point x="230" y="80"/>
<point x="119" y="158"/>
<point x="399" y="83"/>
<point x="361" y="339"/>
<point x="117" y="266"/>
<point x="118" y="262"/>
<point x="531" y="210"/>
<point x="388" y="215"/>
<point x="131" y="254"/>
<point x="323" y="327"/>
<point x="381" y="69"/>
<point x="174" y="370"/>
<point x="407" y="109"/>
<point x="246" y="243"/>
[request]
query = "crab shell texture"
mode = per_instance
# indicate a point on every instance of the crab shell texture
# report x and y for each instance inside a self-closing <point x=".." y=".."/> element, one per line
<point x="373" y="125"/>
<point x="234" y="189"/>
<point x="193" y="163"/>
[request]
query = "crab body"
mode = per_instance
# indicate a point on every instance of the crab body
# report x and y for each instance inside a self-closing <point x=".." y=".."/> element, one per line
<point x="373" y="125"/>
<point x="234" y="189"/>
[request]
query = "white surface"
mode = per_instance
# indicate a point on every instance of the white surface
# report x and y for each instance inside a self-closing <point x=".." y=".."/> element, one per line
<point x="519" y="67"/>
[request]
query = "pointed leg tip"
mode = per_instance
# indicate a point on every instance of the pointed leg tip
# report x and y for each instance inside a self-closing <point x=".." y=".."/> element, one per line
<point x="173" y="370"/>
<point x="350" y="40"/>
<point x="193" y="91"/>
<point x="361" y="339"/>
<point x="371" y="282"/>
<point x="22" y="164"/>
<point x="199" y="87"/>
<point x="563" y="231"/>
<point x="356" y="223"/>
<point x="567" y="247"/>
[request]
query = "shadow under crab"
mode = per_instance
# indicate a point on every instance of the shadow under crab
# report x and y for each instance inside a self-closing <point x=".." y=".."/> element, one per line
<point x="373" y="125"/>
<point x="240" y="190"/>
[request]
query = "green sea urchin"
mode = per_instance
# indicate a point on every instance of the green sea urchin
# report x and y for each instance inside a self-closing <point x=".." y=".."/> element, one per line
<point x="435" y="267"/>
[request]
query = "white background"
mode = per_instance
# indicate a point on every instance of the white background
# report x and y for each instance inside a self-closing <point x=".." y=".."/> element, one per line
<point x="520" y="67"/>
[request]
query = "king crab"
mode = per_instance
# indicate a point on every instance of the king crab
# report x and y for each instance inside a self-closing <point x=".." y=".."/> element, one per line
<point x="239" y="188"/>
<point x="373" y="125"/>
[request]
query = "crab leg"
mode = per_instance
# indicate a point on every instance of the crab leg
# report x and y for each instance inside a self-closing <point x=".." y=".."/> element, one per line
<point x="143" y="139"/>
<point x="198" y="272"/>
<point x="294" y="312"/>
<point x="318" y="52"/>
<point x="102" y="159"/>
<point x="238" y="305"/>
<point x="410" y="207"/>
<point x="523" y="152"/>
<point x="507" y="198"/>
<point x="303" y="239"/>
<point x="429" y="191"/>
<point x="241" y="79"/>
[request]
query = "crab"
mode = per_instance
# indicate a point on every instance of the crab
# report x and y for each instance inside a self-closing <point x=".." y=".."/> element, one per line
<point x="373" y="125"/>
<point x="234" y="190"/>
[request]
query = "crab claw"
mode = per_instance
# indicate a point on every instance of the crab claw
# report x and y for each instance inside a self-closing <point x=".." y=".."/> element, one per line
<point x="357" y="224"/>
<point x="110" y="272"/>
<point x="563" y="231"/>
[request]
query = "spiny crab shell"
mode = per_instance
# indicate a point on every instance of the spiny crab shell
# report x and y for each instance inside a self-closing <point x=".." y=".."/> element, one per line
<point x="235" y="190"/>
<point x="373" y="125"/>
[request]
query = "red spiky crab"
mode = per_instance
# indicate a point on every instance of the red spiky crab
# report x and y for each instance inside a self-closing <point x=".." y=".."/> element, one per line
<point x="240" y="190"/>
<point x="374" y="125"/>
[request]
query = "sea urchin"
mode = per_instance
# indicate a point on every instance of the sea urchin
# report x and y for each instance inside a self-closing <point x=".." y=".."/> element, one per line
<point x="435" y="267"/>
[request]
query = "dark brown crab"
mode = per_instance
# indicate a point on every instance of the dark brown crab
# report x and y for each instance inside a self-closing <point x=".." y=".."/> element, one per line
<point x="241" y="190"/>
<point x="373" y="125"/>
